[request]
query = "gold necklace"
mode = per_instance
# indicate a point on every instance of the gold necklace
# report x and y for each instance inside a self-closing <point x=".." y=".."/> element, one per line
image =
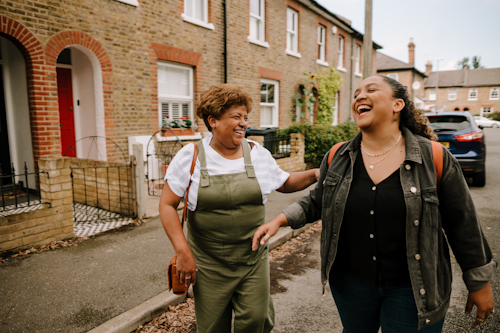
<point x="388" y="152"/>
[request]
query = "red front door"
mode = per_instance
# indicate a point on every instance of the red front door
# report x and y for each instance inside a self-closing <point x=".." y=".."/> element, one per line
<point x="66" y="118"/>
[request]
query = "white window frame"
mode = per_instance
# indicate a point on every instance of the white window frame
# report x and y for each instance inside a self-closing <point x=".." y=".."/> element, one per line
<point x="202" y="23"/>
<point x="432" y="94"/>
<point x="486" y="107"/>
<point x="130" y="2"/>
<point x="394" y="76"/>
<point x="452" y="94"/>
<point x="322" y="46"/>
<point x="276" y="104"/>
<point x="357" y="63"/>
<point x="341" y="50"/>
<point x="261" y="19"/>
<point x="162" y="99"/>
<point x="471" y="91"/>
<point x="292" y="34"/>
<point x="492" y="90"/>
<point x="335" y="110"/>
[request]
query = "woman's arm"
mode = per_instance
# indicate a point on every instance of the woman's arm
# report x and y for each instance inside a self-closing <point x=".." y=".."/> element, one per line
<point x="186" y="265"/>
<point x="268" y="230"/>
<point x="299" y="181"/>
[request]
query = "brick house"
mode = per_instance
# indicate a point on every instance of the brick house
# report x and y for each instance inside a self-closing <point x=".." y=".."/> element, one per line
<point x="115" y="68"/>
<point x="473" y="90"/>
<point x="405" y="73"/>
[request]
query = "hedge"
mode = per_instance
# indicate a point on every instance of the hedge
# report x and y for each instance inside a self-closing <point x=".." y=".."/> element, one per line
<point x="320" y="138"/>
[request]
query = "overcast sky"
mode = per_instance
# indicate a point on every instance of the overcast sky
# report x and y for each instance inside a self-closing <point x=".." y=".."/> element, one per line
<point x="448" y="29"/>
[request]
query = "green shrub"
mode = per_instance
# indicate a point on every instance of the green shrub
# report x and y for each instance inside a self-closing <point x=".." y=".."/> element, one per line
<point x="318" y="139"/>
<point x="495" y="116"/>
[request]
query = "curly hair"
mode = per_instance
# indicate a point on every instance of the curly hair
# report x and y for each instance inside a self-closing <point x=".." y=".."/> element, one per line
<point x="410" y="117"/>
<point x="218" y="99"/>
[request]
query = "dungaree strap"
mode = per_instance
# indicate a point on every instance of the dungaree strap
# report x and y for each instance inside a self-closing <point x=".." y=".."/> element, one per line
<point x="204" y="179"/>
<point x="248" y="159"/>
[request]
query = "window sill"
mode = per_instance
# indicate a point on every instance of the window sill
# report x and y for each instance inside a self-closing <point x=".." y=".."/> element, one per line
<point x="342" y="69"/>
<point x="258" y="42"/>
<point x="452" y="99"/>
<point x="130" y="2"/>
<point x="493" y="99"/>
<point x="202" y="24"/>
<point x="322" y="63"/>
<point x="293" y="54"/>
<point x="196" y="136"/>
<point x="475" y="99"/>
<point x="358" y="74"/>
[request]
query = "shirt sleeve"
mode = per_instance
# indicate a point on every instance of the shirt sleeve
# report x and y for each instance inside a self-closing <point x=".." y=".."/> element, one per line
<point x="178" y="171"/>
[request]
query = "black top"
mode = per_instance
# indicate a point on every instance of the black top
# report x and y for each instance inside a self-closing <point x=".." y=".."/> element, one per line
<point x="372" y="241"/>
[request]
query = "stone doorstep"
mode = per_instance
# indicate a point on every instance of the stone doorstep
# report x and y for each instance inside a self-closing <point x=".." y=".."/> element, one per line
<point x="152" y="308"/>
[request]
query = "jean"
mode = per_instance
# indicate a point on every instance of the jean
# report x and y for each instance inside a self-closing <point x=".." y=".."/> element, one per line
<point x="364" y="309"/>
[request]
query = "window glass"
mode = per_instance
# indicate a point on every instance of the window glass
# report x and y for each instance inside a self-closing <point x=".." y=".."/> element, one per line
<point x="473" y="93"/>
<point x="269" y="103"/>
<point x="195" y="9"/>
<point x="341" y="52"/>
<point x="448" y="123"/>
<point x="452" y="94"/>
<point x="257" y="20"/>
<point x="494" y="93"/>
<point x="321" y="43"/>
<point x="291" y="30"/>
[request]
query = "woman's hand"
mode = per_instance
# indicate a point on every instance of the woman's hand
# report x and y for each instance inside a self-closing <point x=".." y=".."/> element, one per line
<point x="186" y="268"/>
<point x="483" y="300"/>
<point x="268" y="230"/>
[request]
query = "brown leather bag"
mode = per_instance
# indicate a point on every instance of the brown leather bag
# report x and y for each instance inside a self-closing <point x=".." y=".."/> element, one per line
<point x="174" y="283"/>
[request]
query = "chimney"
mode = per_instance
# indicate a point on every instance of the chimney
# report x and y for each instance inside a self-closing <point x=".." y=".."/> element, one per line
<point x="428" y="67"/>
<point x="411" y="52"/>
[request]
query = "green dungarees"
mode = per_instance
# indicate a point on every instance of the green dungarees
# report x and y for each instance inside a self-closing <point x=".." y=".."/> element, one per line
<point x="230" y="276"/>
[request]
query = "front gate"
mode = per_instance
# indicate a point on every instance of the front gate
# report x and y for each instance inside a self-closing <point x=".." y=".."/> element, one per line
<point x="102" y="190"/>
<point x="160" y="152"/>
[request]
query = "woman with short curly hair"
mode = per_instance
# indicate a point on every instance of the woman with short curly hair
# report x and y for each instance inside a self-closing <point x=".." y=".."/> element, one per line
<point x="388" y="220"/>
<point x="230" y="184"/>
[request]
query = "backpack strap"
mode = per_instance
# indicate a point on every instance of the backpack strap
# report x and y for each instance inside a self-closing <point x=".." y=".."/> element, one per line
<point x="333" y="151"/>
<point x="437" y="158"/>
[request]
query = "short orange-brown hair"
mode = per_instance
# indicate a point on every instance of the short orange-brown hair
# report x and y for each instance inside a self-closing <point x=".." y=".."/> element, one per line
<point x="219" y="98"/>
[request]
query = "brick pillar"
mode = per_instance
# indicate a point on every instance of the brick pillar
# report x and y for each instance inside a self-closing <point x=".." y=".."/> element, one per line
<point x="56" y="189"/>
<point x="411" y="52"/>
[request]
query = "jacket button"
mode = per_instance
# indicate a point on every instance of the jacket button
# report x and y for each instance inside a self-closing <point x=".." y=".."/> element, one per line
<point x="417" y="256"/>
<point x="422" y="291"/>
<point x="407" y="167"/>
<point x="427" y="321"/>
<point x="372" y="212"/>
<point x="413" y="189"/>
<point x="374" y="188"/>
<point x="416" y="223"/>
<point x="371" y="236"/>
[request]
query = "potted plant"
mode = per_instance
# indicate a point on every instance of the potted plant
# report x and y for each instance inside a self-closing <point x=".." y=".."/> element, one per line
<point x="181" y="126"/>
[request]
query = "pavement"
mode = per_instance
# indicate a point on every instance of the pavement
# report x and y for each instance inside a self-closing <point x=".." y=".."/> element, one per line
<point x="113" y="282"/>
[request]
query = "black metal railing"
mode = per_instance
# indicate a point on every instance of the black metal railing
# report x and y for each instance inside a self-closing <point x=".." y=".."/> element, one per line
<point x="279" y="146"/>
<point x="102" y="193"/>
<point x="16" y="192"/>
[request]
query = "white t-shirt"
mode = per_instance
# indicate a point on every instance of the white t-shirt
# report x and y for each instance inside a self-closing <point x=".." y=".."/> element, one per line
<point x="268" y="173"/>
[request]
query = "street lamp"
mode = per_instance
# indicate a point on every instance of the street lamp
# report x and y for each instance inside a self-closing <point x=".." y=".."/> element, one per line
<point x="437" y="83"/>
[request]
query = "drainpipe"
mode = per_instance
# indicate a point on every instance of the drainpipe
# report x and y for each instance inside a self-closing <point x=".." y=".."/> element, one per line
<point x="225" y="39"/>
<point x="352" y="74"/>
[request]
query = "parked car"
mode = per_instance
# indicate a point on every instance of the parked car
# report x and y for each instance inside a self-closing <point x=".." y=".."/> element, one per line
<point x="458" y="132"/>
<point x="485" y="122"/>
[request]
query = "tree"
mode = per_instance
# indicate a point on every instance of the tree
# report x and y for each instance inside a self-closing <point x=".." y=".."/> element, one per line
<point x="476" y="63"/>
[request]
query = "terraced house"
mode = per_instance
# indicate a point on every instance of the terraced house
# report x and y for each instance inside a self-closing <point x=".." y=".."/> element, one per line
<point x="114" y="70"/>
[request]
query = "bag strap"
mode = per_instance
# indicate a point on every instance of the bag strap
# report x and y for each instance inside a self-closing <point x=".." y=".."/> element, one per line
<point x="193" y="163"/>
<point x="437" y="158"/>
<point x="333" y="151"/>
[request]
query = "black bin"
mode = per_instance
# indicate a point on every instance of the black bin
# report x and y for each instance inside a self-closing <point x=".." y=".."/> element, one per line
<point x="269" y="134"/>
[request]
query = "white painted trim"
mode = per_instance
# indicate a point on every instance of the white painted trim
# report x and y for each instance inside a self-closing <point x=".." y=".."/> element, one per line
<point x="130" y="2"/>
<point x="257" y="42"/>
<point x="196" y="136"/>
<point x="342" y="69"/>
<point x="498" y="94"/>
<point x="293" y="54"/>
<point x="202" y="24"/>
<point x="322" y="63"/>
<point x="276" y="103"/>
<point x="9" y="105"/>
<point x="358" y="74"/>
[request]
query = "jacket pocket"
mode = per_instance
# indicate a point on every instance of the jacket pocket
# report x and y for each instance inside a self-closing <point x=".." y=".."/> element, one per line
<point x="329" y="185"/>
<point x="431" y="209"/>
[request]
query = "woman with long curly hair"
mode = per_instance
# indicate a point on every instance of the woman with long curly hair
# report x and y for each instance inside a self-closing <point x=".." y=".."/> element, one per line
<point x="387" y="221"/>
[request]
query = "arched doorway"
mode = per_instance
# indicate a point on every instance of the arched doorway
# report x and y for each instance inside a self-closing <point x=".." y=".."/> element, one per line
<point x="81" y="108"/>
<point x="15" y="134"/>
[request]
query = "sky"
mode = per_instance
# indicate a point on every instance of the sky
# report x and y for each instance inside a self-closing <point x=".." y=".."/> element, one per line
<point x="448" y="29"/>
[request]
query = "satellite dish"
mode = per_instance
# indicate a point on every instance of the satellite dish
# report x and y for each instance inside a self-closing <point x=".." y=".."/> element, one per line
<point x="416" y="85"/>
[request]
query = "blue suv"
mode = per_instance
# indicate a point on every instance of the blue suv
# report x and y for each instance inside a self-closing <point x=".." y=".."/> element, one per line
<point x="458" y="132"/>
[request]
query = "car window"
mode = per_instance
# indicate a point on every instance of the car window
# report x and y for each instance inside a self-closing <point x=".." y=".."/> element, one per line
<point x="449" y="123"/>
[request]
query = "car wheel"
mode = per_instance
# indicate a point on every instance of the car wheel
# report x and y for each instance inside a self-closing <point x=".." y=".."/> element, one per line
<point x="479" y="179"/>
<point x="494" y="125"/>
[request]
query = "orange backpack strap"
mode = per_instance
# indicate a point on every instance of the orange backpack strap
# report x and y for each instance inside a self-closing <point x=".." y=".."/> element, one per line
<point x="437" y="158"/>
<point x="333" y="151"/>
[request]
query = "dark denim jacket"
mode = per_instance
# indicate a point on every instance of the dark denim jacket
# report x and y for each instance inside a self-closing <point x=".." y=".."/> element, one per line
<point x="430" y="214"/>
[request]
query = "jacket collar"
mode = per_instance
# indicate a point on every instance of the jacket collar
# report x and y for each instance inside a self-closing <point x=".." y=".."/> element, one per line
<point x="411" y="144"/>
